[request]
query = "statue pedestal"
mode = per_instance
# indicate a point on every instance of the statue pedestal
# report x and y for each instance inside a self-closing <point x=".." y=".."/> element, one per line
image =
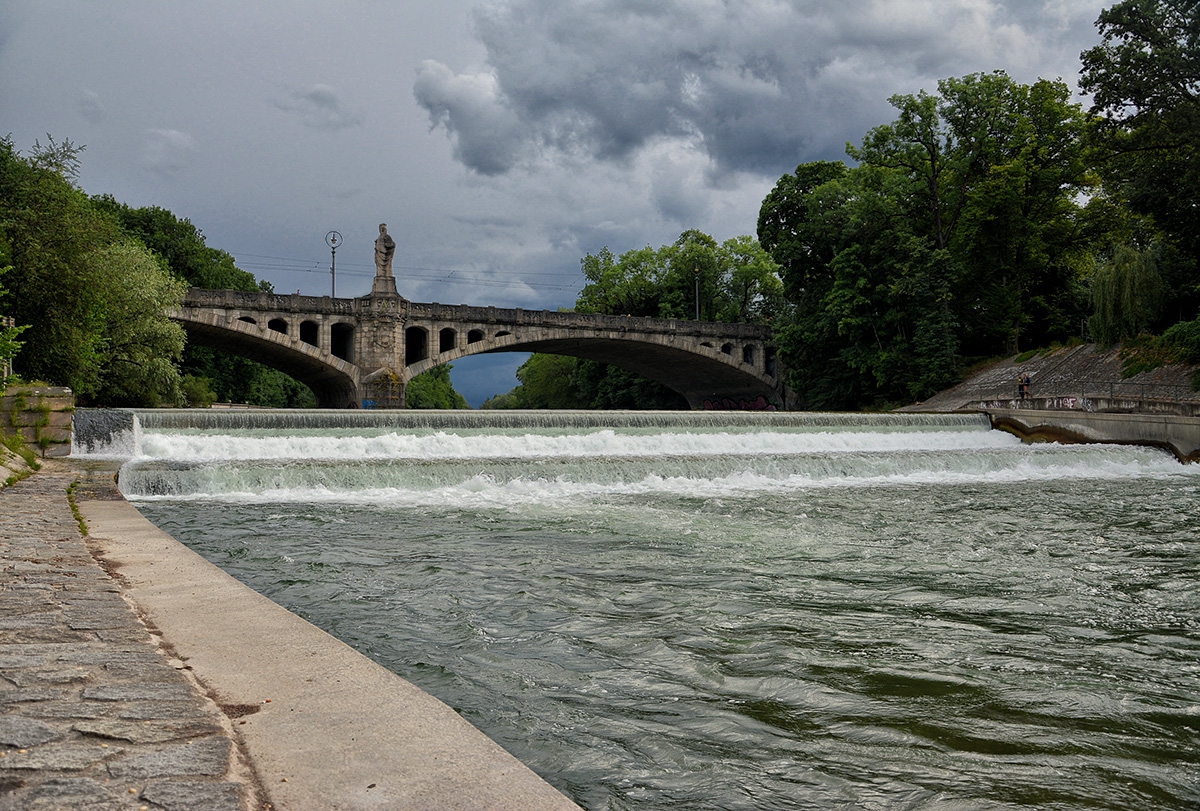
<point x="384" y="285"/>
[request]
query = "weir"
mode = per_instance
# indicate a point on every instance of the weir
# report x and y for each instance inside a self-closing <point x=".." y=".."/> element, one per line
<point x="97" y="428"/>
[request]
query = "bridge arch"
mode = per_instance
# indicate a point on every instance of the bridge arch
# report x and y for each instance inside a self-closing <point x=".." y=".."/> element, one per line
<point x="706" y="377"/>
<point x="333" y="380"/>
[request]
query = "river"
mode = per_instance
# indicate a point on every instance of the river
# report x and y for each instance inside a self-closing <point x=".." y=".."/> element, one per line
<point x="707" y="611"/>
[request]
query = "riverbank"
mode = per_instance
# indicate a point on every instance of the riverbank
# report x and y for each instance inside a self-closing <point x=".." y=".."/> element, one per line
<point x="1082" y="377"/>
<point x="94" y="713"/>
<point x="284" y="716"/>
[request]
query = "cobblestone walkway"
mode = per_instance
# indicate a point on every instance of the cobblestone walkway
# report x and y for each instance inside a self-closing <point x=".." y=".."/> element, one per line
<point x="92" y="716"/>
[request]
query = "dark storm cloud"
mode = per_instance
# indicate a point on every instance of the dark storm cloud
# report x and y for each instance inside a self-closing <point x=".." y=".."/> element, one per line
<point x="754" y="84"/>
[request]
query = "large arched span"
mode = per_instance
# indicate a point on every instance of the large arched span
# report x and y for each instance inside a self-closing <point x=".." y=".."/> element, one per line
<point x="703" y="376"/>
<point x="333" y="380"/>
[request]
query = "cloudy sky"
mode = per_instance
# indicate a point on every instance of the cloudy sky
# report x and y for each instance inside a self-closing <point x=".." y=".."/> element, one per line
<point x="500" y="141"/>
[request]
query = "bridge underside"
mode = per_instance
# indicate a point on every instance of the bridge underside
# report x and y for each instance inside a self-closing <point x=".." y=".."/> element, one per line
<point x="334" y="388"/>
<point x="704" y="382"/>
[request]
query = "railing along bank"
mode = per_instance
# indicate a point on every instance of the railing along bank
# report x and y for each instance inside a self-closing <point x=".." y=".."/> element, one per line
<point x="1113" y="396"/>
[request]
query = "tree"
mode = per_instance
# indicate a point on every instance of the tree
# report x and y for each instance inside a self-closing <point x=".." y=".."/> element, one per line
<point x="957" y="235"/>
<point x="1144" y="77"/>
<point x="735" y="281"/>
<point x="95" y="301"/>
<point x="141" y="346"/>
<point x="1126" y="292"/>
<point x="9" y="345"/>
<point x="433" y="389"/>
<point x="181" y="244"/>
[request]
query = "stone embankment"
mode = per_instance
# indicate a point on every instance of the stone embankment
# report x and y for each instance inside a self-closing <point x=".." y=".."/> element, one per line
<point x="94" y="714"/>
<point x="1077" y="394"/>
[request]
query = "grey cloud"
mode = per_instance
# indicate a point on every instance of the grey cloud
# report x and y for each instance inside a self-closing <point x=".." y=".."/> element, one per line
<point x="90" y="106"/>
<point x="487" y="135"/>
<point x="167" y="151"/>
<point x="321" y="108"/>
<point x="754" y="84"/>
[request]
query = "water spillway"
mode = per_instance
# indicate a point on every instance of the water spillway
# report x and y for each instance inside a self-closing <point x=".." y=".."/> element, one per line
<point x="713" y="610"/>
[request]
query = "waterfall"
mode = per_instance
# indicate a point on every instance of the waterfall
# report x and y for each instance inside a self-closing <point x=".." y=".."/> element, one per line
<point x="101" y="428"/>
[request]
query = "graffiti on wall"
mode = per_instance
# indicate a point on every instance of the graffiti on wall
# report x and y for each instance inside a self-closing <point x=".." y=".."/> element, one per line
<point x="760" y="403"/>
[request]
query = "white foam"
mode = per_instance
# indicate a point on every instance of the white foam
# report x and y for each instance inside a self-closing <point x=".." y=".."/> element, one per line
<point x="191" y="447"/>
<point x="484" y="490"/>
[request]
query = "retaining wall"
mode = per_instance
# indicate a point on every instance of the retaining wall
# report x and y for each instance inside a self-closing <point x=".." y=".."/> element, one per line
<point x="1180" y="435"/>
<point x="42" y="415"/>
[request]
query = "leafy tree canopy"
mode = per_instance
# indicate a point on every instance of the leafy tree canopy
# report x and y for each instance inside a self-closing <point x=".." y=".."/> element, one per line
<point x="735" y="281"/>
<point x="959" y="234"/>
<point x="1144" y="77"/>
<point x="433" y="389"/>
<point x="94" y="300"/>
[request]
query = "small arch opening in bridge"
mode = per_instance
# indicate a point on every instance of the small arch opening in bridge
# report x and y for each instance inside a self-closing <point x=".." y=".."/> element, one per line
<point x="727" y="349"/>
<point x="416" y="345"/>
<point x="770" y="366"/>
<point x="748" y="354"/>
<point x="341" y="341"/>
<point x="308" y="332"/>
<point x="278" y="325"/>
<point x="248" y="320"/>
<point x="706" y="343"/>
<point x="502" y="333"/>
<point x="474" y="336"/>
<point x="447" y="338"/>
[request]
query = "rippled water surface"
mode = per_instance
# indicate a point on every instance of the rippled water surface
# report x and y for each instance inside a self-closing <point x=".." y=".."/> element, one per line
<point x="742" y="617"/>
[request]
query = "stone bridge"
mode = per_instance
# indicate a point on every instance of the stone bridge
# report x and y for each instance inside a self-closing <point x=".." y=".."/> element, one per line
<point x="362" y="352"/>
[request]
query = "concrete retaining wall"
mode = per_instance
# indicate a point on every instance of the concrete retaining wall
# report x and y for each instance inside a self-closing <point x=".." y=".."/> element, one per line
<point x="1180" y="435"/>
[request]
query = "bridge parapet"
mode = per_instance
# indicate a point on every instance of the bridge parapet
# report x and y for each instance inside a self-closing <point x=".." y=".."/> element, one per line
<point x="597" y="321"/>
<point x="271" y="302"/>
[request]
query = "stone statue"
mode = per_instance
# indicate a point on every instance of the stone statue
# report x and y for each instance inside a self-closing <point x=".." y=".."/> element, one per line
<point x="385" y="249"/>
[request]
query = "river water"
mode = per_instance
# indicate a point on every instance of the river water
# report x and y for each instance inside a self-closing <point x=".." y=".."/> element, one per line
<point x="734" y="612"/>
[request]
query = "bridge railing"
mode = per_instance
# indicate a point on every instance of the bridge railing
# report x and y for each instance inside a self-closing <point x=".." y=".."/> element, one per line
<point x="255" y="300"/>
<point x="557" y="318"/>
<point x="246" y="300"/>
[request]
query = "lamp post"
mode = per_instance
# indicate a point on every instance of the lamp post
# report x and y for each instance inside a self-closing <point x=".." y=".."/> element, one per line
<point x="696" y="276"/>
<point x="333" y="239"/>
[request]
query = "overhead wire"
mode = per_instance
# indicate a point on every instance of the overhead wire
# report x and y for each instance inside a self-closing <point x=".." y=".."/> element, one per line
<point x="281" y="264"/>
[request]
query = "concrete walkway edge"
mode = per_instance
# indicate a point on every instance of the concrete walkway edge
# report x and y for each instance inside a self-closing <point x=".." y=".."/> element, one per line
<point x="323" y="726"/>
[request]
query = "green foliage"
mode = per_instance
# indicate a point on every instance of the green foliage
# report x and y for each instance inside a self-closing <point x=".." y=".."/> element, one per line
<point x="9" y="345"/>
<point x="181" y="245"/>
<point x="735" y="281"/>
<point x="958" y="235"/>
<point x="96" y="300"/>
<point x="1127" y="293"/>
<point x="196" y="392"/>
<point x="433" y="389"/>
<point x="141" y="346"/>
<point x="1179" y="344"/>
<point x="1143" y="78"/>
